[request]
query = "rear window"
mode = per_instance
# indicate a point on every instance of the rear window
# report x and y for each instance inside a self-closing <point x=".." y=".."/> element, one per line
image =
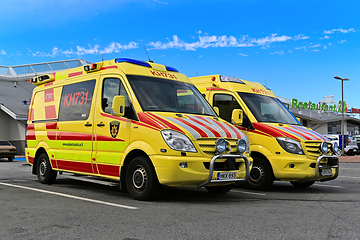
<point x="4" y="143"/>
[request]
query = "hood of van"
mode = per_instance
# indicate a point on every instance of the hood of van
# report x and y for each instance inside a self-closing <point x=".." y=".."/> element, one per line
<point x="195" y="126"/>
<point x="296" y="132"/>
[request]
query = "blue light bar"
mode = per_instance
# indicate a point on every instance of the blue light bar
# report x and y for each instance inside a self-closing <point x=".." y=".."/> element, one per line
<point x="142" y="63"/>
<point x="172" y="69"/>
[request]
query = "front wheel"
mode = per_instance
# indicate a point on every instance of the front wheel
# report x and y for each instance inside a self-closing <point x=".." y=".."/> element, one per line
<point x="219" y="189"/>
<point x="10" y="159"/>
<point x="302" y="185"/>
<point x="45" y="173"/>
<point x="141" y="180"/>
<point x="261" y="175"/>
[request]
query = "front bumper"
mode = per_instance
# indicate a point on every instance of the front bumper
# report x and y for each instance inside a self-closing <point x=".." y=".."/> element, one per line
<point x="333" y="163"/>
<point x="211" y="170"/>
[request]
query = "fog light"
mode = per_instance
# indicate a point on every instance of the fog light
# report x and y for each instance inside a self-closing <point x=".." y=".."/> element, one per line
<point x="183" y="164"/>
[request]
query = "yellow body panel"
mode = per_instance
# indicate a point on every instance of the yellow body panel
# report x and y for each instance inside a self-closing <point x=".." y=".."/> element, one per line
<point x="263" y="139"/>
<point x="80" y="135"/>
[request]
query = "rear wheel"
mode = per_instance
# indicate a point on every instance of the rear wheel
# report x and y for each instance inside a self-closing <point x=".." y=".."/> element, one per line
<point x="141" y="179"/>
<point x="45" y="173"/>
<point x="302" y="185"/>
<point x="219" y="189"/>
<point x="261" y="175"/>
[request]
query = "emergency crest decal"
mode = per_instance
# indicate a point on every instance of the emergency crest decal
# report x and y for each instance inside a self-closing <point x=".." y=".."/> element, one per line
<point x="114" y="128"/>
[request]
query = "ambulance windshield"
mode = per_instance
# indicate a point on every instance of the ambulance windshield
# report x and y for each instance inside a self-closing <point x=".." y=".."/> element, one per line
<point x="268" y="109"/>
<point x="163" y="95"/>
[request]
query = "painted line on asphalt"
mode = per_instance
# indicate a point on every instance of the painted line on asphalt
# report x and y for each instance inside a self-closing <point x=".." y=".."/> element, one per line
<point x="69" y="196"/>
<point x="254" y="193"/>
<point x="325" y="185"/>
<point x="348" y="177"/>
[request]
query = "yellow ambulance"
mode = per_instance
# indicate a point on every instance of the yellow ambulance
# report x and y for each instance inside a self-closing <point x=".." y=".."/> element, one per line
<point x="281" y="148"/>
<point x="139" y="123"/>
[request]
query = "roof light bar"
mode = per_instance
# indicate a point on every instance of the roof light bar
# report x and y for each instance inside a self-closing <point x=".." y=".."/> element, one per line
<point x="142" y="63"/>
<point x="171" y="69"/>
<point x="230" y="79"/>
<point x="42" y="79"/>
<point x="93" y="67"/>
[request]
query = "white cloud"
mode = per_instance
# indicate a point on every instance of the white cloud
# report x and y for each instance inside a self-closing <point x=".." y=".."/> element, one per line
<point x="278" y="53"/>
<point x="325" y="37"/>
<point x="342" y="41"/>
<point x="315" y="50"/>
<point x="315" y="46"/>
<point x="242" y="54"/>
<point x="325" y="47"/>
<point x="339" y="30"/>
<point x="300" y="36"/>
<point x="270" y="39"/>
<point x="2" y="52"/>
<point x="299" y="48"/>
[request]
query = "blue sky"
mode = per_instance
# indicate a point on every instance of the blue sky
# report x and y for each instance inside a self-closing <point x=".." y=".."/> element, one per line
<point x="294" y="47"/>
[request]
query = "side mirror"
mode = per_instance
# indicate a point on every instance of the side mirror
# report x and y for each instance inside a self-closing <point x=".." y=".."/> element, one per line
<point x="118" y="106"/>
<point x="237" y="117"/>
<point x="216" y="109"/>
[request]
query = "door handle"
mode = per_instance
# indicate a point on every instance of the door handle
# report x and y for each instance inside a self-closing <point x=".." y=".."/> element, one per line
<point x="88" y="125"/>
<point x="100" y="125"/>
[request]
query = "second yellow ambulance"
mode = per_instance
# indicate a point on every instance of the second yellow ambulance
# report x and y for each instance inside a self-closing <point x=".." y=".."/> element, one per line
<point x="139" y="123"/>
<point x="281" y="148"/>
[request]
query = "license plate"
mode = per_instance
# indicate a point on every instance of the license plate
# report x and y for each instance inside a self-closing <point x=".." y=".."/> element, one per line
<point x="326" y="172"/>
<point x="4" y="150"/>
<point x="226" y="175"/>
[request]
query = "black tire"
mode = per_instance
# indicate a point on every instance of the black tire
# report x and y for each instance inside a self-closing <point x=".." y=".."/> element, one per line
<point x="10" y="159"/>
<point x="45" y="173"/>
<point x="261" y="175"/>
<point x="141" y="180"/>
<point x="219" y="189"/>
<point x="302" y="185"/>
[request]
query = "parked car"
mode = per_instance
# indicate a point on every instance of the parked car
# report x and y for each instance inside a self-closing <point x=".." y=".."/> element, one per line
<point x="7" y="150"/>
<point x="357" y="138"/>
<point x="351" y="147"/>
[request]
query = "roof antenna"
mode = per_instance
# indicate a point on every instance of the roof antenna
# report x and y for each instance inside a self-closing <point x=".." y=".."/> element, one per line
<point x="148" y="55"/>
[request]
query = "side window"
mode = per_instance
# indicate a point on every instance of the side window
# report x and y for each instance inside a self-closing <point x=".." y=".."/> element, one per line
<point x="111" y="88"/>
<point x="225" y="103"/>
<point x="76" y="101"/>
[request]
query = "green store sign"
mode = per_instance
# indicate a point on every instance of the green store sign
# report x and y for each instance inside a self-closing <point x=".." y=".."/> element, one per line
<point x="318" y="106"/>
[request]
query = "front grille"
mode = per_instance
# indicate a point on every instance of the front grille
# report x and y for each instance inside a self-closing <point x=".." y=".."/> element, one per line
<point x="208" y="145"/>
<point x="313" y="149"/>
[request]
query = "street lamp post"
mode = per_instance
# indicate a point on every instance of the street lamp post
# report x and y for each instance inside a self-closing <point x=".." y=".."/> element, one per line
<point x="342" y="110"/>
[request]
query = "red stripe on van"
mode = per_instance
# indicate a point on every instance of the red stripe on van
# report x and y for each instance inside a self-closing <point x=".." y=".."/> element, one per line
<point x="30" y="135"/>
<point x="145" y="119"/>
<point x="70" y="136"/>
<point x="51" y="125"/>
<point x="85" y="167"/>
<point x="213" y="131"/>
<point x="51" y="135"/>
<point x="198" y="130"/>
<point x="75" y="74"/>
<point x="109" y="170"/>
<point x="30" y="127"/>
<point x="108" y="139"/>
<point x="169" y="124"/>
<point x="273" y="131"/>
<point x="31" y="159"/>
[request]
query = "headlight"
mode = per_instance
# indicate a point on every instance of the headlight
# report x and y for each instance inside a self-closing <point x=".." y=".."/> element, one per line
<point x="222" y="145"/>
<point x="324" y="147"/>
<point x="178" y="141"/>
<point x="241" y="146"/>
<point x="290" y="145"/>
<point x="335" y="147"/>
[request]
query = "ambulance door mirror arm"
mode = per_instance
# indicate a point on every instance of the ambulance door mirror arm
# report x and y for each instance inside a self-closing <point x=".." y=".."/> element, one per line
<point x="118" y="106"/>
<point x="237" y="117"/>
